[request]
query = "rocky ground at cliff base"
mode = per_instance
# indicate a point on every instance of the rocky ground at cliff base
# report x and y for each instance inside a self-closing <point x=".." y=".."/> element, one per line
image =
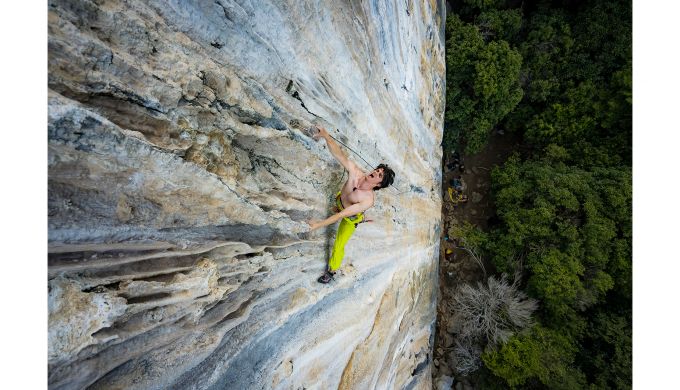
<point x="458" y="267"/>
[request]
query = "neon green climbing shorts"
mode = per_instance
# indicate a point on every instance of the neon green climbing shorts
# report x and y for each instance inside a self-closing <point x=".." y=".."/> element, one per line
<point x="347" y="227"/>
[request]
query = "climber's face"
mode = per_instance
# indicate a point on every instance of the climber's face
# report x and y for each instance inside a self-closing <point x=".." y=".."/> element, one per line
<point x="375" y="177"/>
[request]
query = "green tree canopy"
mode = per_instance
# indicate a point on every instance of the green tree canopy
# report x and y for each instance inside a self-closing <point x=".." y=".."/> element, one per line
<point x="482" y="84"/>
<point x="559" y="74"/>
<point x="570" y="227"/>
<point x="498" y="24"/>
<point x="541" y="355"/>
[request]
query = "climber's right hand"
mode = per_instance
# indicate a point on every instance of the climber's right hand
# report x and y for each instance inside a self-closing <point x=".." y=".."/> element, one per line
<point x="322" y="133"/>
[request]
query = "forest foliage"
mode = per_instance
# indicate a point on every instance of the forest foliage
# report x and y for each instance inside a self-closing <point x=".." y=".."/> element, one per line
<point x="558" y="74"/>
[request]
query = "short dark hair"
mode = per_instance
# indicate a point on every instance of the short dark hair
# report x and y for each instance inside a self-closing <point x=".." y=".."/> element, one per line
<point x="388" y="176"/>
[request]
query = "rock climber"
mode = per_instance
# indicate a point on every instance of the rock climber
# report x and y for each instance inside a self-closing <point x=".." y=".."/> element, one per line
<point x="355" y="197"/>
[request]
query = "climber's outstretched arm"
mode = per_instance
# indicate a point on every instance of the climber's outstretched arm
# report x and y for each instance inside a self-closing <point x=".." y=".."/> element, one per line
<point x="348" y="212"/>
<point x="336" y="151"/>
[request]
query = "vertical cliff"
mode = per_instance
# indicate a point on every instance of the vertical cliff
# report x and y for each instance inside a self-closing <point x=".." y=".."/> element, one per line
<point x="180" y="182"/>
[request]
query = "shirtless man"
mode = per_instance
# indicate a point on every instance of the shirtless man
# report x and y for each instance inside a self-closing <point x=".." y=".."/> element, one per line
<point x="357" y="195"/>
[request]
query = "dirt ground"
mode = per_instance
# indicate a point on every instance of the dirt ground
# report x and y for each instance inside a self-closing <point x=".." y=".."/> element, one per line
<point x="459" y="267"/>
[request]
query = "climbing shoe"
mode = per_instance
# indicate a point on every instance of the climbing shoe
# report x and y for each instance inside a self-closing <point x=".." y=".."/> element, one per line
<point x="326" y="277"/>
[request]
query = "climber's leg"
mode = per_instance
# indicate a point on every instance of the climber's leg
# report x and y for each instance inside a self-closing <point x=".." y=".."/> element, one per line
<point x="345" y="231"/>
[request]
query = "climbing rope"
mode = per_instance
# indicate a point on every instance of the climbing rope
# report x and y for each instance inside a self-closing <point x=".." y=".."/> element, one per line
<point x="312" y="131"/>
<point x="345" y="145"/>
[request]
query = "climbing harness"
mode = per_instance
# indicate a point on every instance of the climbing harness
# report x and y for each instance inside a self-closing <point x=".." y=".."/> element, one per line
<point x="355" y="219"/>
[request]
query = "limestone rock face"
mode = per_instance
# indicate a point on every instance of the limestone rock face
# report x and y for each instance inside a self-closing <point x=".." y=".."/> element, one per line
<point x="181" y="179"/>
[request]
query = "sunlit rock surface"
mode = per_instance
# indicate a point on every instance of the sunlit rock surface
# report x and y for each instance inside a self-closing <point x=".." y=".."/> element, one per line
<point x="181" y="177"/>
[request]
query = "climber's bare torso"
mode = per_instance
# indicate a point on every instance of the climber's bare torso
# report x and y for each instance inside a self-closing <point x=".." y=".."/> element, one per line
<point x="357" y="193"/>
<point x="353" y="193"/>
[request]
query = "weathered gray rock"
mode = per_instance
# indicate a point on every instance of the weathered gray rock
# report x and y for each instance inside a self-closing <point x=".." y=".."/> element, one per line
<point x="448" y="340"/>
<point x="451" y="327"/>
<point x="443" y="383"/>
<point x="445" y="369"/>
<point x="180" y="180"/>
<point x="476" y="197"/>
